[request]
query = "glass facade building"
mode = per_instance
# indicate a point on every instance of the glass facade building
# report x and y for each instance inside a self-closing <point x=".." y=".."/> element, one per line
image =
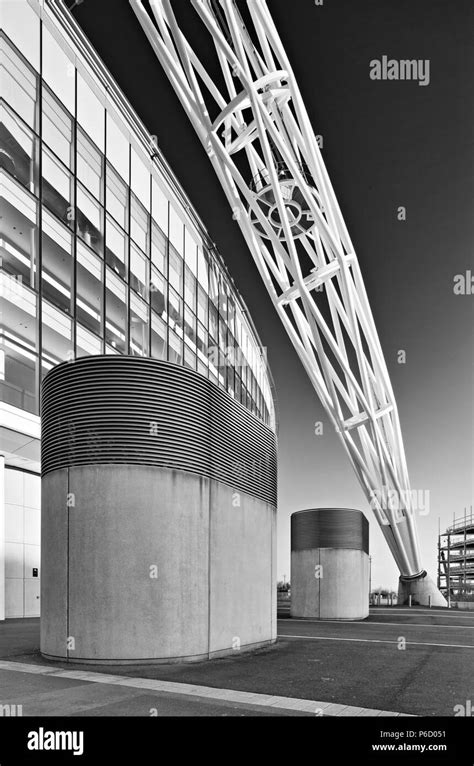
<point x="101" y="251"/>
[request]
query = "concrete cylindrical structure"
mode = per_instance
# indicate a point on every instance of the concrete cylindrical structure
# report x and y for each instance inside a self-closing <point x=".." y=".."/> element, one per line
<point x="329" y="564"/>
<point x="158" y="515"/>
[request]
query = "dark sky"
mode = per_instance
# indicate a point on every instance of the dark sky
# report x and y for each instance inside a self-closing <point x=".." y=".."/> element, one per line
<point x="386" y="144"/>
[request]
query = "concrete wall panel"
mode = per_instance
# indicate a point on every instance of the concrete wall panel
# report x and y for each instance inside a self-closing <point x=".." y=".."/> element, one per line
<point x="54" y="563"/>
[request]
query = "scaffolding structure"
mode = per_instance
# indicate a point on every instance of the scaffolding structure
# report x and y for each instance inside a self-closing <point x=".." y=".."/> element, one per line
<point x="456" y="558"/>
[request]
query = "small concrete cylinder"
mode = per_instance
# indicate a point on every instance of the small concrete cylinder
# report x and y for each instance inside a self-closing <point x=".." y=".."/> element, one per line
<point x="330" y="564"/>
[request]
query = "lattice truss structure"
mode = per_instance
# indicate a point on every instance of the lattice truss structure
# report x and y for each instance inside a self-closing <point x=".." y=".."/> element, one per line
<point x="250" y="117"/>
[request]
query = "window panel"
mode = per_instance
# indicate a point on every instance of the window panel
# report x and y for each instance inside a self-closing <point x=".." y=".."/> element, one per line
<point x="203" y="269"/>
<point x="138" y="272"/>
<point x="189" y="358"/>
<point x="116" y="312"/>
<point x="158" y="298"/>
<point x="213" y="283"/>
<point x="87" y="344"/>
<point x="159" y="249"/>
<point x="175" y="348"/>
<point x="19" y="85"/>
<point x="202" y="342"/>
<point x="58" y="71"/>
<point x="57" y="188"/>
<point x="18" y="149"/>
<point x="202" y="306"/>
<point x="140" y="180"/>
<point x="56" y="337"/>
<point x="19" y="232"/>
<point x="189" y="328"/>
<point x="138" y="327"/>
<point x="57" y="129"/>
<point x="139" y="224"/>
<point x="175" y="311"/>
<point x="176" y="234"/>
<point x="175" y="272"/>
<point x="57" y="263"/>
<point x="90" y="216"/>
<point x="90" y="112"/>
<point x="190" y="251"/>
<point x="117" y="197"/>
<point x="18" y="344"/>
<point x="230" y="310"/>
<point x="159" y="207"/>
<point x="159" y="344"/>
<point x="189" y="288"/>
<point x="89" y="290"/>
<point x="116" y="251"/>
<point x="213" y="323"/>
<point x="22" y="25"/>
<point x="90" y="166"/>
<point x="238" y="388"/>
<point x="118" y="148"/>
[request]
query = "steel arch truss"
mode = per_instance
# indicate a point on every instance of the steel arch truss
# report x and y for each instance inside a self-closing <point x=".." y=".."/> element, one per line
<point x="253" y="123"/>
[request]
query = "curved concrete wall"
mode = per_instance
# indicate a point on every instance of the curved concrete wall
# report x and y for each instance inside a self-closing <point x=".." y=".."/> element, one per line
<point x="329" y="564"/>
<point x="144" y="563"/>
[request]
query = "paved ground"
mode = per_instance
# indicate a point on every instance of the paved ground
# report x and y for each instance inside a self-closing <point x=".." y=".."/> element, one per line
<point x="413" y="661"/>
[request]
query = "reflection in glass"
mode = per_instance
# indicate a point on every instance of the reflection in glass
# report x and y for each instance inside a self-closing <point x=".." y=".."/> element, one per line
<point x="19" y="85"/>
<point x="90" y="112"/>
<point x="87" y="344"/>
<point x="176" y="235"/>
<point x="138" y="272"/>
<point x="90" y="166"/>
<point x="175" y="274"/>
<point x="116" y="313"/>
<point x="158" y="293"/>
<point x="57" y="188"/>
<point x="18" y="149"/>
<point x="18" y="339"/>
<point x="118" y="149"/>
<point x="138" y="327"/>
<point x="158" y="338"/>
<point x="189" y="358"/>
<point x="116" y="248"/>
<point x="202" y="343"/>
<point x="57" y="129"/>
<point x="117" y="197"/>
<point x="213" y="320"/>
<point x="159" y="249"/>
<point x="175" y="310"/>
<point x="139" y="224"/>
<point x="159" y="207"/>
<point x="58" y="71"/>
<point x="175" y="350"/>
<point x="89" y="289"/>
<point x="89" y="220"/>
<point x="203" y="269"/>
<point x="213" y="283"/>
<point x="189" y="328"/>
<point x="190" y="251"/>
<point x="140" y="179"/>
<point x="57" y="263"/>
<point x="189" y="288"/>
<point x="19" y="231"/>
<point x="56" y="334"/>
<point x="202" y="306"/>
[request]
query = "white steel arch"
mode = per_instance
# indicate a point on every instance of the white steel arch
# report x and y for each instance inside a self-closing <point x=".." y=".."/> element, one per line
<point x="259" y="139"/>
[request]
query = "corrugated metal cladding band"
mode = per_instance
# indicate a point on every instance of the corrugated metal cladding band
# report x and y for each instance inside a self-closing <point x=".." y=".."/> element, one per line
<point x="329" y="528"/>
<point x="139" y="411"/>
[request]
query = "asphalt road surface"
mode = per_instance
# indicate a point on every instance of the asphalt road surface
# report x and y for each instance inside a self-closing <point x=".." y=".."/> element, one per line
<point x="416" y="661"/>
